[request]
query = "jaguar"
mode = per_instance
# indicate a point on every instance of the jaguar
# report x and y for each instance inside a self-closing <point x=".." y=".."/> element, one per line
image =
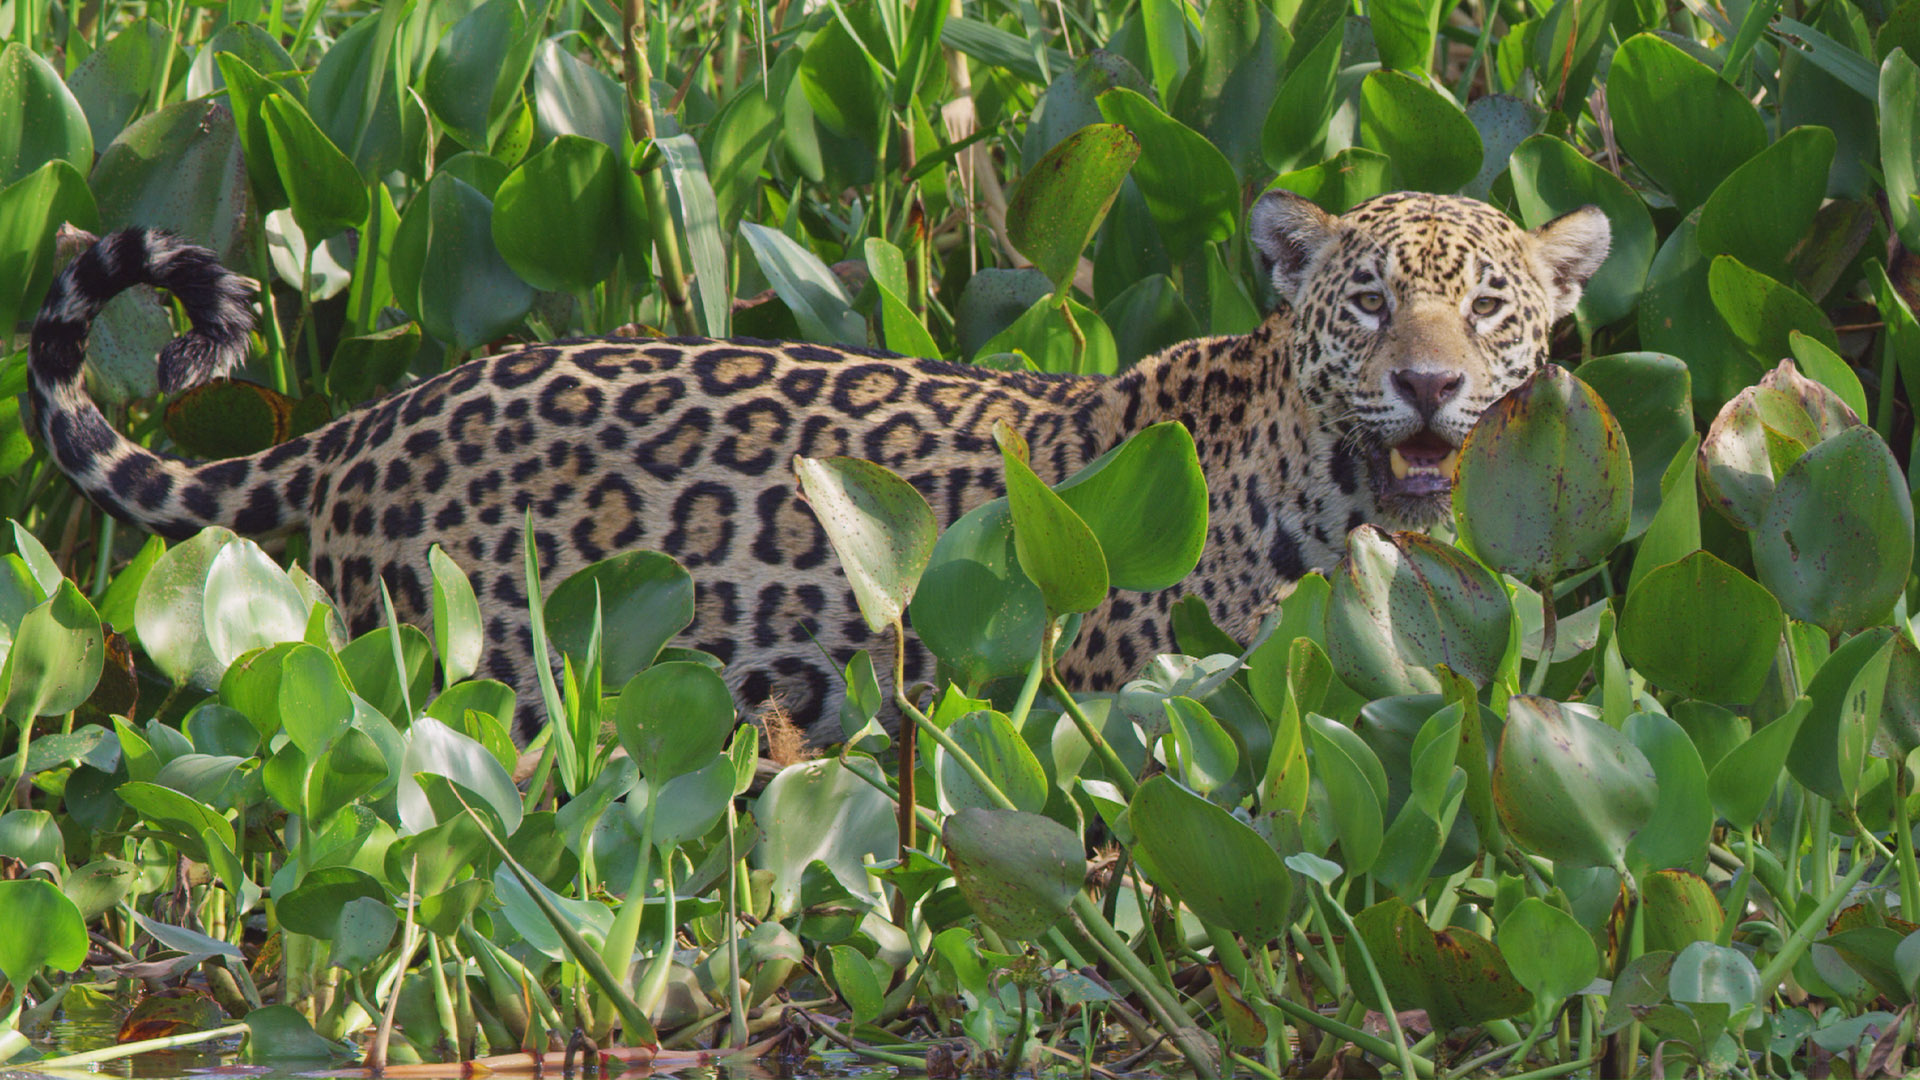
<point x="1394" y="326"/>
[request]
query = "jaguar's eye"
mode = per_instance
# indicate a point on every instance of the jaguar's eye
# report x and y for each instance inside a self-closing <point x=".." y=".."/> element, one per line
<point x="1372" y="303"/>
<point x="1486" y="305"/>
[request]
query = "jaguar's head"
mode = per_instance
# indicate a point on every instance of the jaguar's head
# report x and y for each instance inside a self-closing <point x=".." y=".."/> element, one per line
<point x="1412" y="314"/>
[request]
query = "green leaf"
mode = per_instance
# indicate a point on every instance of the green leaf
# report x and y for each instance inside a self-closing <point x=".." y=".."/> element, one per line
<point x="1145" y="501"/>
<point x="115" y="83"/>
<point x="456" y="617"/>
<point x="1551" y="178"/>
<point x="1403" y="604"/>
<point x="180" y="169"/>
<point x="446" y="271"/>
<point x="1019" y="871"/>
<point x="1343" y="181"/>
<point x="1057" y="550"/>
<point x="1043" y="337"/>
<point x="902" y="330"/>
<point x="32" y="209"/>
<point x="56" y="657"/>
<point x="551" y="215"/>
<point x="644" y="599"/>
<point x="880" y="526"/>
<point x="840" y="76"/>
<point x="321" y="183"/>
<point x="1660" y="632"/>
<point x="1456" y="975"/>
<point x="1549" y="952"/>
<point x="1836" y="542"/>
<point x="1649" y="395"/>
<point x="40" y="120"/>
<point x="1678" y="317"/>
<point x="1356" y="787"/>
<point x="1546" y="482"/>
<point x="1432" y="144"/>
<point x="1403" y="31"/>
<point x="1504" y="122"/>
<point x="44" y="930"/>
<point x="1190" y="186"/>
<point x="1830" y="747"/>
<point x="1683" y="818"/>
<point x="250" y="602"/>
<point x="674" y="718"/>
<point x="1678" y="120"/>
<point x="469" y="80"/>
<point x="1216" y="864"/>
<point x="1207" y="756"/>
<point x="1568" y="786"/>
<point x="1899" y="88"/>
<point x="1297" y="121"/>
<point x="976" y="609"/>
<point x="990" y="739"/>
<point x="1742" y="782"/>
<point x="1789" y="178"/>
<point x="1825" y="365"/>
<point x="1062" y="200"/>
<point x="809" y="288"/>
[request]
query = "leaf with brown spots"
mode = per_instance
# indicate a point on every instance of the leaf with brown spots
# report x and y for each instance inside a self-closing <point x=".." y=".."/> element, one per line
<point x="1456" y="975"/>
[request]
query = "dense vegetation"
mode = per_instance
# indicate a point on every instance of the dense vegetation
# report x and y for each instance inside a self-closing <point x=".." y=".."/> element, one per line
<point x="1621" y="780"/>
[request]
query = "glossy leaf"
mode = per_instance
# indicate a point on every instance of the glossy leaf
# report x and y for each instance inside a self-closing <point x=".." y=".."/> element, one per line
<point x="56" y="657"/>
<point x="1550" y="178"/>
<point x="1836" y="543"/>
<point x="1432" y="144"/>
<point x="1661" y="630"/>
<point x="321" y="183"/>
<point x="674" y="718"/>
<point x="180" y="169"/>
<point x="1546" y="482"/>
<point x="1678" y="119"/>
<point x="976" y="609"/>
<point x="47" y="931"/>
<point x="1216" y="864"/>
<point x="1057" y="550"/>
<point x="1568" y="786"/>
<point x="880" y="526"/>
<point x="1899" y="87"/>
<point x="644" y="599"/>
<point x="551" y="215"/>
<point x="447" y="272"/>
<point x="39" y="118"/>
<point x="1456" y="975"/>
<point x="1789" y="178"/>
<point x="1762" y="313"/>
<point x="817" y="299"/>
<point x="1146" y="503"/>
<point x="1019" y="871"/>
<point x="1650" y="397"/>
<point x="1549" y="952"/>
<point x="990" y="739"/>
<point x="32" y="210"/>
<point x="1404" y="604"/>
<point x="1296" y="122"/>
<point x="1065" y="196"/>
<point x="1189" y="185"/>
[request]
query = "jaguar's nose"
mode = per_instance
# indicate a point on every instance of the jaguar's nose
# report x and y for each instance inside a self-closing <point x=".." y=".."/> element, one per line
<point x="1426" y="391"/>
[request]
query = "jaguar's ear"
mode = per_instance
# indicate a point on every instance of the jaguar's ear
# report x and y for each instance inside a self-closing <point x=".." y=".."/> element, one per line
<point x="1289" y="232"/>
<point x="1569" y="249"/>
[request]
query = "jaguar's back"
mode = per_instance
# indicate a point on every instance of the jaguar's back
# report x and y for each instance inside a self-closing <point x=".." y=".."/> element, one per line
<point x="685" y="445"/>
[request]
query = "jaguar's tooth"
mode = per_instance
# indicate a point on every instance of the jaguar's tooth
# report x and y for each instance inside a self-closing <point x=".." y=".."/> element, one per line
<point x="1450" y="465"/>
<point x="1399" y="464"/>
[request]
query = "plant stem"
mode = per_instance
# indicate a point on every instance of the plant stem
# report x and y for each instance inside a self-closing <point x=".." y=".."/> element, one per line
<point x="673" y="279"/>
<point x="124" y="1050"/>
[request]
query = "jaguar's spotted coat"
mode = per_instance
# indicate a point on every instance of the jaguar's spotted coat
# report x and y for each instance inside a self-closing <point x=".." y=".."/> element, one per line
<point x="1398" y="323"/>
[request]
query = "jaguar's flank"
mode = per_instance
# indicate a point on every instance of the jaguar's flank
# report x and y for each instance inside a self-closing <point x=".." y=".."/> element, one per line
<point x="1397" y="323"/>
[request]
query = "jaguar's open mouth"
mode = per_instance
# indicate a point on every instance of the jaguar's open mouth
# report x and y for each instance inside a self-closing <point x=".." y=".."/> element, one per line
<point x="1413" y="477"/>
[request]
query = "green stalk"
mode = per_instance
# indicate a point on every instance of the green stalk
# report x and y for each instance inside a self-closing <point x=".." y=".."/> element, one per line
<point x="270" y="328"/>
<point x="1407" y="1060"/>
<point x="639" y="73"/>
<point x="1173" y="1020"/>
<point x="1903" y="839"/>
<point x="126" y="1050"/>
<point x="1122" y="776"/>
<point x="1815" y="923"/>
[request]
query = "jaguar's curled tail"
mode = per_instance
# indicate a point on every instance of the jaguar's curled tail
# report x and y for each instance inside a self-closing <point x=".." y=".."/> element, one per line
<point x="157" y="491"/>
